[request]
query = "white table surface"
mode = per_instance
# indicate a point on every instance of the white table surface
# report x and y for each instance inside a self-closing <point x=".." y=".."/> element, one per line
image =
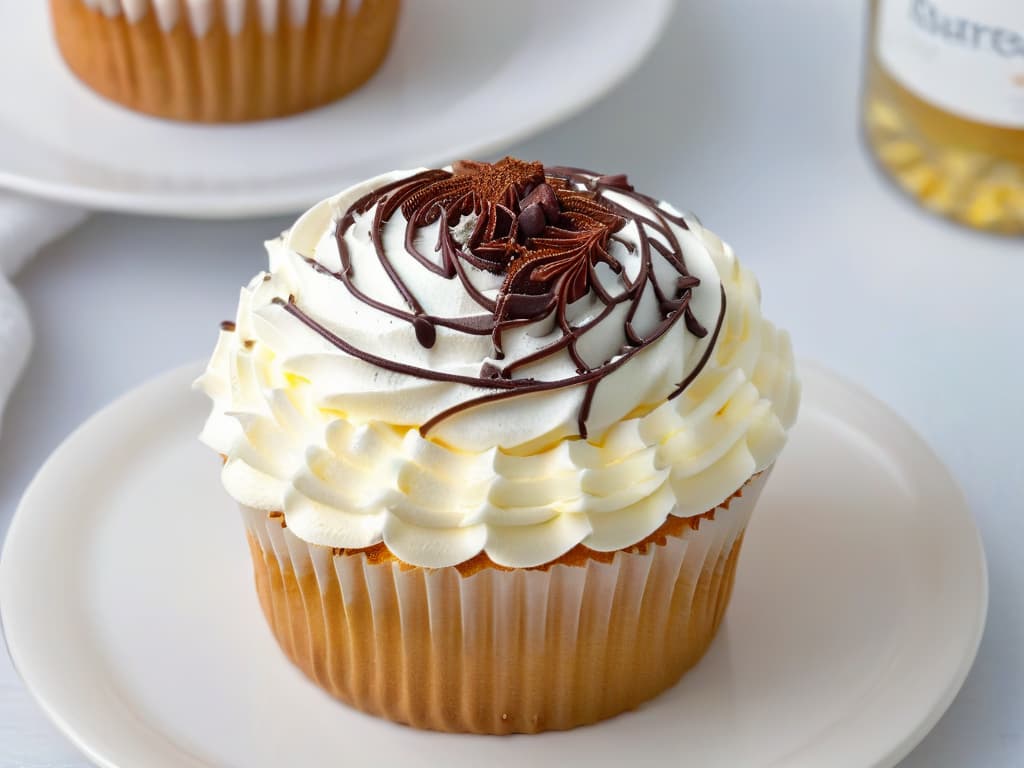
<point x="746" y="113"/>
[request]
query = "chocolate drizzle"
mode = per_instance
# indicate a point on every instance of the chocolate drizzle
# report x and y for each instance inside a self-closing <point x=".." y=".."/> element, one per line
<point x="547" y="232"/>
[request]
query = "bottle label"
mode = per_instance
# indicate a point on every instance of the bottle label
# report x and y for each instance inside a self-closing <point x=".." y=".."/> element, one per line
<point x="963" y="56"/>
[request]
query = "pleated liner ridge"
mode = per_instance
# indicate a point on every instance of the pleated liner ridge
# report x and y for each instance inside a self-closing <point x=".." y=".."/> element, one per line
<point x="220" y="76"/>
<point x="500" y="651"/>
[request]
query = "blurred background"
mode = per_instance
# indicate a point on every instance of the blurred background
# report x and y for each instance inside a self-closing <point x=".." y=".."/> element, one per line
<point x="750" y="114"/>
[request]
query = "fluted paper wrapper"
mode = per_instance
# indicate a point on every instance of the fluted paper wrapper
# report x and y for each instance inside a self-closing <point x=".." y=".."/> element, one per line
<point x="217" y="73"/>
<point x="500" y="651"/>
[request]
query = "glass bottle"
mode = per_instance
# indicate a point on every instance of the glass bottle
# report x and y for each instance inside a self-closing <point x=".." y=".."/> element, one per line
<point x="944" y="105"/>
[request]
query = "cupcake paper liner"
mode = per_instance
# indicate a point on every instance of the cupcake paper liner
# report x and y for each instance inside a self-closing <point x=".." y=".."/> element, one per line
<point x="500" y="650"/>
<point x="232" y="68"/>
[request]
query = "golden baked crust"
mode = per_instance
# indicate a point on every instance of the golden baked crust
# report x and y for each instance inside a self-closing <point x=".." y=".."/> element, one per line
<point x="501" y="652"/>
<point x="479" y="648"/>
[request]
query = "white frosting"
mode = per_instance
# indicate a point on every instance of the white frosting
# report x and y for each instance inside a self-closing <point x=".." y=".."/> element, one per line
<point x="200" y="13"/>
<point x="333" y="441"/>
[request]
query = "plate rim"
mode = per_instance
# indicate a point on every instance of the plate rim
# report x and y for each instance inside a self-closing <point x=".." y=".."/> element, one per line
<point x="197" y="204"/>
<point x="898" y="751"/>
<point x="889" y="757"/>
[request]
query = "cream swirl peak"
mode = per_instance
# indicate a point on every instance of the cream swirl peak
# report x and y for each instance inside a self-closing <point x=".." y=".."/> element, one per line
<point x="505" y="358"/>
<point x="586" y="271"/>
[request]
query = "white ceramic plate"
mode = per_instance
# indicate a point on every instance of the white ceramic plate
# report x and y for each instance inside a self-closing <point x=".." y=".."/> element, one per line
<point x="463" y="79"/>
<point x="126" y="599"/>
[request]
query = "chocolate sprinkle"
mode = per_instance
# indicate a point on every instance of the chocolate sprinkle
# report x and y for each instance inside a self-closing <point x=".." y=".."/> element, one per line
<point x="426" y="334"/>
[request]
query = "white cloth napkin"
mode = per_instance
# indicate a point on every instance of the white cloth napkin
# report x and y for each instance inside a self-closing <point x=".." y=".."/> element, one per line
<point x="26" y="225"/>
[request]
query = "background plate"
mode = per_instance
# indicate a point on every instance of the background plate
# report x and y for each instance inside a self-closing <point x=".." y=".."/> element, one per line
<point x="463" y="79"/>
<point x="126" y="599"/>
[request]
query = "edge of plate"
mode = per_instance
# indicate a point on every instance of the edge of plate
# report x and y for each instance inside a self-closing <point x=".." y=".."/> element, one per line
<point x="903" y="748"/>
<point x="221" y="206"/>
<point x="52" y="712"/>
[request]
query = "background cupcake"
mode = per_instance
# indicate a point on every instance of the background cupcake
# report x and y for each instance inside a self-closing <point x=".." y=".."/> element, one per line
<point x="497" y="432"/>
<point x="223" y="60"/>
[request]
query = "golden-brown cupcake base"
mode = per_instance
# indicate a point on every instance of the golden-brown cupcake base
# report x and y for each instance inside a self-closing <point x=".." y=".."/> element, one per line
<point x="497" y="651"/>
<point x="224" y="77"/>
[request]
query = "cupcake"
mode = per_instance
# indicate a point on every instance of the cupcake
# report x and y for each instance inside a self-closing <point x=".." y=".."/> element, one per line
<point x="223" y="60"/>
<point x="496" y="432"/>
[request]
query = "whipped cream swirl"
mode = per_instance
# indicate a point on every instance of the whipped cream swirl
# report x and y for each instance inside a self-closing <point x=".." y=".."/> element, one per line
<point x="426" y="367"/>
